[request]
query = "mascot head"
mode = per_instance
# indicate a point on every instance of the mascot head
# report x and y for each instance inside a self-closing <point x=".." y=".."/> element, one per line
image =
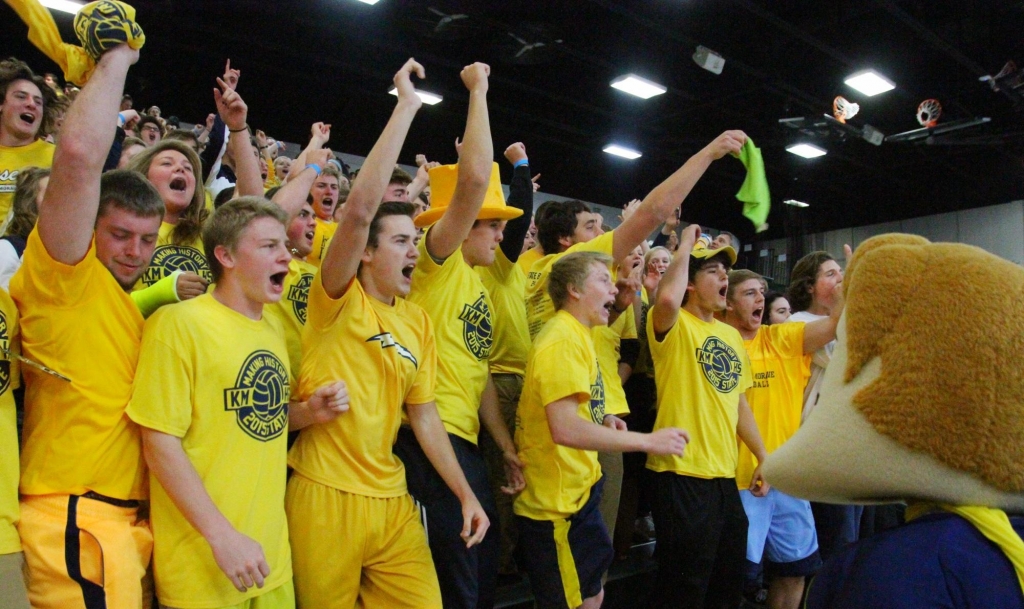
<point x="924" y="396"/>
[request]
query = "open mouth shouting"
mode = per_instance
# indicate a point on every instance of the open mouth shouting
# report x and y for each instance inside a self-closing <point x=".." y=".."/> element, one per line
<point x="178" y="184"/>
<point x="277" y="282"/>
<point x="28" y="118"/>
<point x="407" y="270"/>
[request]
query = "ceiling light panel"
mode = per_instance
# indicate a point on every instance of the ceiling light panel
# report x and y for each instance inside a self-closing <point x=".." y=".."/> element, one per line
<point x="870" y="83"/>
<point x="808" y="151"/>
<point x="640" y="87"/>
<point x="622" y="151"/>
<point x="428" y="98"/>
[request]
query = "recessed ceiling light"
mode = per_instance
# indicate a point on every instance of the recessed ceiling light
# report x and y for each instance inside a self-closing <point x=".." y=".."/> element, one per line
<point x="870" y="83"/>
<point x="428" y="98"/>
<point x="626" y="153"/>
<point x="796" y="203"/>
<point x="808" y="151"/>
<point x="641" y="87"/>
<point x="65" y="6"/>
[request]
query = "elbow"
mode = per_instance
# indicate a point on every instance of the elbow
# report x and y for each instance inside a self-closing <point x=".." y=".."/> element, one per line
<point x="473" y="178"/>
<point x="562" y="436"/>
<point x="74" y="149"/>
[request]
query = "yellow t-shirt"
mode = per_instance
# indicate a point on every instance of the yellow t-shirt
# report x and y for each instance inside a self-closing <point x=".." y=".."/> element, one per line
<point x="12" y="160"/>
<point x="608" y="343"/>
<point x="291" y="309"/>
<point x="562" y="364"/>
<point x="9" y="468"/>
<point x="505" y="283"/>
<point x="539" y="308"/>
<point x="78" y="321"/>
<point x="700" y="369"/>
<point x="219" y="381"/>
<point x="460" y="311"/>
<point x="780" y="373"/>
<point x="322" y="236"/>
<point x="168" y="258"/>
<point x="386" y="355"/>
<point x="527" y="258"/>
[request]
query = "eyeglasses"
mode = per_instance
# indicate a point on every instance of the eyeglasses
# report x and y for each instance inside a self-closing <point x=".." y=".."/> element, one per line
<point x="151" y="128"/>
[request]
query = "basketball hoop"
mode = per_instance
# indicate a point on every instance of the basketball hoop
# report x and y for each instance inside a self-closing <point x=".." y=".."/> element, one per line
<point x="928" y="113"/>
<point x="843" y="109"/>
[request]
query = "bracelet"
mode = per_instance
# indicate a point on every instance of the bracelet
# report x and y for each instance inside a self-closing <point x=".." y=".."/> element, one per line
<point x="121" y="119"/>
<point x="520" y="163"/>
<point x="318" y="169"/>
<point x="244" y="128"/>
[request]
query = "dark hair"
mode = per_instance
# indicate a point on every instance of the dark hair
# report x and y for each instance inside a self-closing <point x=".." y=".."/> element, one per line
<point x="558" y="220"/>
<point x="388" y="208"/>
<point x="145" y="120"/>
<point x="769" y="300"/>
<point x="400" y="176"/>
<point x="12" y="70"/>
<point x="129" y="191"/>
<point x="183" y="135"/>
<point x="127" y="97"/>
<point x="697" y="264"/>
<point x="228" y="221"/>
<point x="803" y="278"/>
<point x="24" y="211"/>
<point x="223" y="197"/>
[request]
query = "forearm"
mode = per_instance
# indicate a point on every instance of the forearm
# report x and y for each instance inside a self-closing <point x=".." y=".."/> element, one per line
<point x="114" y="154"/>
<point x="667" y="196"/>
<point x="211" y="155"/>
<point x="586" y="435"/>
<point x="247" y="166"/>
<point x="380" y="163"/>
<point x="520" y="196"/>
<point x="433" y="439"/>
<point x="477" y="154"/>
<point x="819" y="333"/>
<point x="167" y="460"/>
<point x="490" y="417"/>
<point x="625" y="371"/>
<point x="292" y="196"/>
<point x="671" y="290"/>
<point x="746" y="429"/>
<point x="417" y="186"/>
<point x="299" y="416"/>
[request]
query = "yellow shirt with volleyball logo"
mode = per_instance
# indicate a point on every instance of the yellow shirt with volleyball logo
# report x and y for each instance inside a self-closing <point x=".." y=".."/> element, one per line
<point x="386" y="355"/>
<point x="539" y="308"/>
<point x="700" y="369"/>
<point x="460" y="311"/>
<point x="322" y="236"/>
<point x="562" y="364"/>
<point x="219" y="381"/>
<point x="9" y="468"/>
<point x="527" y="258"/>
<point x="780" y="371"/>
<point x="78" y="321"/>
<point x="12" y="160"/>
<point x="291" y="310"/>
<point x="505" y="283"/>
<point x="168" y="257"/>
<point x="608" y="343"/>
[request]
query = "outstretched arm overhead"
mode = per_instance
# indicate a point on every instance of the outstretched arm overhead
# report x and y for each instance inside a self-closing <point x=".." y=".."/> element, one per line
<point x="668" y="195"/>
<point x="673" y="284"/>
<point x="234" y="113"/>
<point x="475" y="158"/>
<point x="68" y="213"/>
<point x="293" y="194"/>
<point x="520" y="195"/>
<point x="346" y="249"/>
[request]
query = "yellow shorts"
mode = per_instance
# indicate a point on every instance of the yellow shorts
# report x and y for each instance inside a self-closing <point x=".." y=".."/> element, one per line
<point x="281" y="597"/>
<point x="101" y="563"/>
<point x="350" y="548"/>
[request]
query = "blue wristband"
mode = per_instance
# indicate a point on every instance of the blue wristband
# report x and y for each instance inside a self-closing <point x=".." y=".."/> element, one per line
<point x="120" y="119"/>
<point x="318" y="168"/>
<point x="520" y="163"/>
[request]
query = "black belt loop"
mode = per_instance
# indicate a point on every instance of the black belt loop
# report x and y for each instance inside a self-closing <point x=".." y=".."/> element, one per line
<point x="92" y="593"/>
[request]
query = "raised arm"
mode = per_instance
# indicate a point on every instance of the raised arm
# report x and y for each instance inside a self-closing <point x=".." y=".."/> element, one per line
<point x="821" y="332"/>
<point x="475" y="160"/>
<point x="672" y="288"/>
<point x="68" y="213"/>
<point x="292" y="196"/>
<point x="341" y="261"/>
<point x="520" y="195"/>
<point x="668" y="195"/>
<point x="234" y="113"/>
<point x="320" y="134"/>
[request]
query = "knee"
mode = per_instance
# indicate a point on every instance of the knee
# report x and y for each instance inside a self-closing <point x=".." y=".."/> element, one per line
<point x="594" y="602"/>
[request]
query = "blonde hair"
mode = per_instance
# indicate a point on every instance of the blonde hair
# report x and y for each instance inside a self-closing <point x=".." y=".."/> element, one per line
<point x="572" y="270"/>
<point x="229" y="220"/>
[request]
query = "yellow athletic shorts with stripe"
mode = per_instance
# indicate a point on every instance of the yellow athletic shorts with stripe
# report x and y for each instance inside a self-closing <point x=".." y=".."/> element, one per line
<point x="281" y="597"/>
<point x="349" y="549"/>
<point x="84" y="554"/>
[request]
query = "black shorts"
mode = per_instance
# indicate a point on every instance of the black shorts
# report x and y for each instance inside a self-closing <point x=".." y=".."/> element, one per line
<point x="566" y="558"/>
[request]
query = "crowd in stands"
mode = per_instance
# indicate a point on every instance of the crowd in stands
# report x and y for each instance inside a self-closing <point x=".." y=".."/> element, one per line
<point x="258" y="381"/>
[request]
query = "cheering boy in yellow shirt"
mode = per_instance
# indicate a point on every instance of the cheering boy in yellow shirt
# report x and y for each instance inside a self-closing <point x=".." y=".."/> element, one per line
<point x="561" y="424"/>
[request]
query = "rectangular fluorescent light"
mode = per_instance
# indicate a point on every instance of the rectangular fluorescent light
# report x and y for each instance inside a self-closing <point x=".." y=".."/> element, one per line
<point x="641" y="87"/>
<point x="870" y="83"/>
<point x="369" y="1"/>
<point x="796" y="203"/>
<point x="65" y="6"/>
<point x="808" y="151"/>
<point x="428" y="98"/>
<point x="626" y="153"/>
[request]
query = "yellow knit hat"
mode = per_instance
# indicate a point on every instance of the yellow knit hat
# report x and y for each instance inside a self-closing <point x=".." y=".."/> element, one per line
<point x="442" y="188"/>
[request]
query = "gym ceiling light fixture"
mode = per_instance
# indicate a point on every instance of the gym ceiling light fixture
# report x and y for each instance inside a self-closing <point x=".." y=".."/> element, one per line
<point x="428" y="98"/>
<point x="626" y="153"/>
<point x="796" y="203"/>
<point x="869" y="83"/>
<point x="808" y="151"/>
<point x="640" y="87"/>
<point x="65" y="6"/>
<point x="369" y="1"/>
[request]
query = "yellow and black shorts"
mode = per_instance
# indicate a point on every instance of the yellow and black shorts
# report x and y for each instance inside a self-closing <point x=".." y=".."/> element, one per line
<point x="566" y="558"/>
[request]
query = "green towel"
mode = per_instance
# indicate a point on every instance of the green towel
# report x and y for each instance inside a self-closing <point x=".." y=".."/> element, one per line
<point x="757" y="201"/>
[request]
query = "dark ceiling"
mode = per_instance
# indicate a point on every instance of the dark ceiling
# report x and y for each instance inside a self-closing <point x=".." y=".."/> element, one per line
<point x="332" y="60"/>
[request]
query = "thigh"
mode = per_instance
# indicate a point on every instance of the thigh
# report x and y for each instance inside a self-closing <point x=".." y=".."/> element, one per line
<point x="326" y="528"/>
<point x="725" y="587"/>
<point x="13" y="594"/>
<point x="399" y="571"/>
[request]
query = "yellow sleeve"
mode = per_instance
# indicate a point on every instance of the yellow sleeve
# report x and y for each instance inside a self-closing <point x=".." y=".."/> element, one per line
<point x="789" y="338"/>
<point x="425" y="385"/>
<point x="162" y="393"/>
<point x="51" y="281"/>
<point x="321" y="309"/>
<point x="603" y="244"/>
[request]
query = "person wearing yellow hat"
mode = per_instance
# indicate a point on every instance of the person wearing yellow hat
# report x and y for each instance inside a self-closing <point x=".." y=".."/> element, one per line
<point x="465" y="224"/>
<point x="702" y="370"/>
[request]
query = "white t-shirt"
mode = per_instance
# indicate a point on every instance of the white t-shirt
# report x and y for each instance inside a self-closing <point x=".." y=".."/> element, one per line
<point x="10" y="262"/>
<point x="819" y="362"/>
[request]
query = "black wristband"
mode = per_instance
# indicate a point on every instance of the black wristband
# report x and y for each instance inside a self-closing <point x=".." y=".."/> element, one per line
<point x="245" y="128"/>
